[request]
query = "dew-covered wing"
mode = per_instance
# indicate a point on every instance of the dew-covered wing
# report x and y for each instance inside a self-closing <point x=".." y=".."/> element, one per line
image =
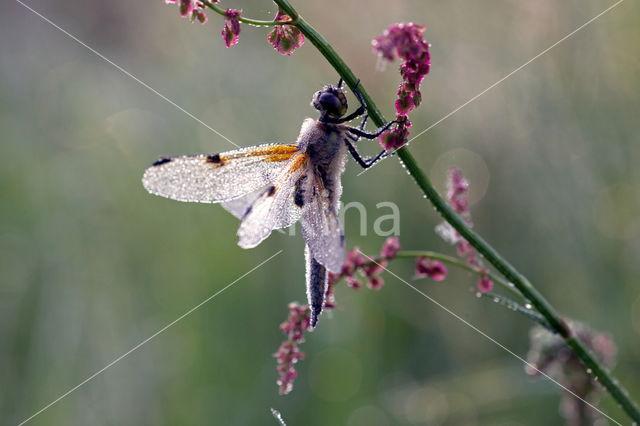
<point x="321" y="227"/>
<point x="217" y="177"/>
<point x="276" y="205"/>
<point x="239" y="207"/>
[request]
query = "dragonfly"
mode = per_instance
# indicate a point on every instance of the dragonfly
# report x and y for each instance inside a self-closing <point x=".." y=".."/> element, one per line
<point x="272" y="186"/>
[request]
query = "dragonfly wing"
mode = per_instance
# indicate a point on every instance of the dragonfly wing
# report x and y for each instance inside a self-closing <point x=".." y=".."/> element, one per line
<point x="316" y="285"/>
<point x="321" y="227"/>
<point x="217" y="177"/>
<point x="276" y="205"/>
<point x="239" y="206"/>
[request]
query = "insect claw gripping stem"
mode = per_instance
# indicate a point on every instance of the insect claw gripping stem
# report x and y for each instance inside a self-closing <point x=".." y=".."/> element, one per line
<point x="359" y="132"/>
<point x="362" y="133"/>
<point x="361" y="109"/>
<point x="358" y="95"/>
<point x="364" y="163"/>
<point x="364" y="122"/>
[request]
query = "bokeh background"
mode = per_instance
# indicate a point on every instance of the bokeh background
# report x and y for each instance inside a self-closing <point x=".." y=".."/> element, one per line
<point x="91" y="265"/>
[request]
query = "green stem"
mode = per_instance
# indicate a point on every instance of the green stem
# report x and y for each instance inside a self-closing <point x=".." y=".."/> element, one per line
<point x="454" y="261"/>
<point x="502" y="265"/>
<point x="249" y="21"/>
<point x="516" y="307"/>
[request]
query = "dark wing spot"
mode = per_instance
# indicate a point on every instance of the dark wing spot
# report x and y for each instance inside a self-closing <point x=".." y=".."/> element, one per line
<point x="271" y="191"/>
<point x="161" y="161"/>
<point x="215" y="159"/>
<point x="247" y="211"/>
<point x="298" y="195"/>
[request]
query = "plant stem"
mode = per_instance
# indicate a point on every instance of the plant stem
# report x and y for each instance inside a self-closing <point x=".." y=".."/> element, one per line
<point x="497" y="298"/>
<point x="454" y="261"/>
<point x="515" y="306"/>
<point x="248" y="21"/>
<point x="502" y="265"/>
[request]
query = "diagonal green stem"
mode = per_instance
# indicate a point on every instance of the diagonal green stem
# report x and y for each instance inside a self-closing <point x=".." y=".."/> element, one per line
<point x="502" y="265"/>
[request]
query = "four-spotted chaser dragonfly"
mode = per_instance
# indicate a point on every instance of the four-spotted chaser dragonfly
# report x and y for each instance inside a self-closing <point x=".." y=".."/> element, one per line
<point x="272" y="186"/>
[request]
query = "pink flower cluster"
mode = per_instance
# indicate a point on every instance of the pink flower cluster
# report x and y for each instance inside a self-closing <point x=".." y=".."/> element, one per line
<point x="192" y="9"/>
<point x="285" y="38"/>
<point x="371" y="270"/>
<point x="398" y="136"/>
<point x="299" y="315"/>
<point x="457" y="191"/>
<point x="549" y="354"/>
<point x="289" y="352"/>
<point x="231" y="30"/>
<point x="405" y="40"/>
<point x="433" y="269"/>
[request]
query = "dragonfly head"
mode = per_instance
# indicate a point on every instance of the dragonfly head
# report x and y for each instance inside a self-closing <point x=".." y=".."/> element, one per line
<point x="330" y="101"/>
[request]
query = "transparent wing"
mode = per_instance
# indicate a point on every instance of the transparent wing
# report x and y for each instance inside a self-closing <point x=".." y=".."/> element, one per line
<point x="321" y="227"/>
<point x="239" y="206"/>
<point x="276" y="206"/>
<point x="217" y="177"/>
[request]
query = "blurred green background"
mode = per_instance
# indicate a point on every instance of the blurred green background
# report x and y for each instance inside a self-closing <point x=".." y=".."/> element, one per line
<point x="91" y="264"/>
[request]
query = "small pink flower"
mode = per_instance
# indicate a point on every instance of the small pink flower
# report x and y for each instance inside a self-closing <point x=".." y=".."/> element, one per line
<point x="384" y="46"/>
<point x="231" y="30"/>
<point x="485" y="284"/>
<point x="192" y="9"/>
<point x="199" y="15"/>
<point x="353" y="282"/>
<point x="390" y="140"/>
<point x="373" y="268"/>
<point x="286" y="39"/>
<point x="353" y="261"/>
<point x="333" y="277"/>
<point x="457" y="191"/>
<point x="289" y="353"/>
<point x="406" y="100"/>
<point x="186" y="8"/>
<point x="375" y="283"/>
<point x="433" y="269"/>
<point x="404" y="40"/>
<point x="390" y="248"/>
<point x="329" y="294"/>
<point x="398" y="136"/>
<point x="458" y="185"/>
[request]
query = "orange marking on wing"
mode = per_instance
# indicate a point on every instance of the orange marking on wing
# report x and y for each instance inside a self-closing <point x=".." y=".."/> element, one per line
<point x="281" y="153"/>
<point x="299" y="162"/>
<point x="272" y="153"/>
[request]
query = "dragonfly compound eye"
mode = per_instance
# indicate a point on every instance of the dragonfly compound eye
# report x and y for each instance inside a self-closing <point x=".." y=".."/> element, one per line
<point x="330" y="100"/>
